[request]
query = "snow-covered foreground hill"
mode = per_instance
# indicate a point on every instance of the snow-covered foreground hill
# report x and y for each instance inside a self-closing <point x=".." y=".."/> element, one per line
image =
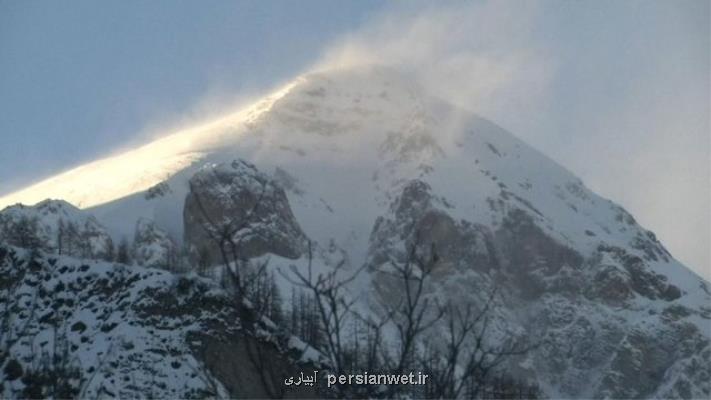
<point x="74" y="328"/>
<point x="363" y="159"/>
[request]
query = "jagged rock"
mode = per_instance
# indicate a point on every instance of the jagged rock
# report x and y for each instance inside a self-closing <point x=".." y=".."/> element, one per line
<point x="153" y="247"/>
<point x="638" y="366"/>
<point x="572" y="301"/>
<point x="229" y="358"/>
<point x="641" y="280"/>
<point x="417" y="217"/>
<point x="240" y="202"/>
<point x="158" y="190"/>
<point x="528" y="247"/>
<point x="611" y="286"/>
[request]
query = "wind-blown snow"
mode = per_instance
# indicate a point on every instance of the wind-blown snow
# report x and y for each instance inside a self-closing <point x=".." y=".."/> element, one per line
<point x="121" y="175"/>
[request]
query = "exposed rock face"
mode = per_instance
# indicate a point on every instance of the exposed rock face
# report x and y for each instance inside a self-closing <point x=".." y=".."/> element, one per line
<point x="518" y="247"/>
<point x="419" y="217"/>
<point x="152" y="247"/>
<point x="529" y="256"/>
<point x="527" y="247"/>
<point x="237" y="201"/>
<point x="55" y="226"/>
<point x="644" y="358"/>
<point x="230" y="359"/>
<point x="578" y="306"/>
<point x="127" y="332"/>
<point x="642" y="281"/>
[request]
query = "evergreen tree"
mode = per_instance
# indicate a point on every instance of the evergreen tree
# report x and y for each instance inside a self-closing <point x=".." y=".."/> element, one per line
<point x="123" y="254"/>
<point x="83" y="245"/>
<point x="70" y="239"/>
<point x="60" y="236"/>
<point x="203" y="260"/>
<point x="110" y="254"/>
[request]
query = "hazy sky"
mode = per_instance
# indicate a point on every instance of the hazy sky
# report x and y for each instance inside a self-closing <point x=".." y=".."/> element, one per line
<point x="616" y="91"/>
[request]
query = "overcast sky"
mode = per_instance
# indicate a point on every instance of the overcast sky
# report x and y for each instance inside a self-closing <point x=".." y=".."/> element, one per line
<point x="616" y="91"/>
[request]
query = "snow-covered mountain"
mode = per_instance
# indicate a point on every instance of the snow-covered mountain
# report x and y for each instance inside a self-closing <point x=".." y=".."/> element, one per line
<point x="361" y="158"/>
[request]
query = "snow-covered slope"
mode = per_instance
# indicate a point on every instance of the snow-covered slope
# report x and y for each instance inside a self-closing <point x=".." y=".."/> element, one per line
<point x="364" y="153"/>
<point x="73" y="328"/>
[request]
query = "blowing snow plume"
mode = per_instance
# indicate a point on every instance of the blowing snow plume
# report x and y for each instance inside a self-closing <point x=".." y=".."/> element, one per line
<point x="600" y="96"/>
<point x="478" y="55"/>
<point x="136" y="170"/>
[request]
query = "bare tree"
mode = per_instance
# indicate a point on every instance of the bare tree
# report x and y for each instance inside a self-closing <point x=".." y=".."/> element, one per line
<point x="460" y="368"/>
<point x="334" y="308"/>
<point x="466" y="359"/>
<point x="263" y="293"/>
<point x="25" y="233"/>
<point x="412" y="313"/>
<point x="463" y="367"/>
<point x="246" y="285"/>
<point x="303" y="320"/>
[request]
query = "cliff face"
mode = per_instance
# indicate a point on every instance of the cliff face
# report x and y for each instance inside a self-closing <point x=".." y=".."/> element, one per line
<point x="153" y="247"/>
<point x="608" y="325"/>
<point x="235" y="201"/>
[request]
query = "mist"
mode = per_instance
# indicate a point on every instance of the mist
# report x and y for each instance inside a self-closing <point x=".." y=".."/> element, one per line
<point x="617" y="92"/>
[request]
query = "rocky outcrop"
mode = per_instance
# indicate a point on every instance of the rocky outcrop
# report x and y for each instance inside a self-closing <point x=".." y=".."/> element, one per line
<point x="417" y="217"/>
<point x="152" y="247"/>
<point x="238" y="202"/>
<point x="248" y="367"/>
<point x="579" y="306"/>
<point x="55" y="226"/>
<point x="645" y="358"/>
